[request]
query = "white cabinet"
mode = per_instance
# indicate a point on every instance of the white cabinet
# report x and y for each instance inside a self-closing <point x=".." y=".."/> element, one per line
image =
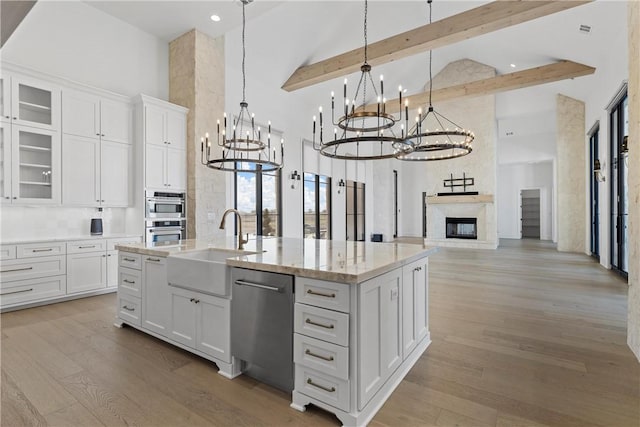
<point x="201" y="322"/>
<point x="112" y="269"/>
<point x="164" y="131"/>
<point x="379" y="332"/>
<point x="415" y="312"/>
<point x="5" y="97"/>
<point x="96" y="151"/>
<point x="86" y="271"/>
<point x="30" y="102"/>
<point x="88" y="115"/>
<point x="155" y="294"/>
<point x="30" y="165"/>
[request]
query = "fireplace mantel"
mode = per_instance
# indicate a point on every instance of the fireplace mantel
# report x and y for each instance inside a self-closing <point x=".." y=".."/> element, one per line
<point x="479" y="198"/>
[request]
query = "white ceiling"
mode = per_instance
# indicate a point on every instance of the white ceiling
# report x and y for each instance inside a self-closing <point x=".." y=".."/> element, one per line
<point x="293" y="33"/>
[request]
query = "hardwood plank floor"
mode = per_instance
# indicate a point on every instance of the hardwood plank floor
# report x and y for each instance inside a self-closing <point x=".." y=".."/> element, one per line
<point x="522" y="336"/>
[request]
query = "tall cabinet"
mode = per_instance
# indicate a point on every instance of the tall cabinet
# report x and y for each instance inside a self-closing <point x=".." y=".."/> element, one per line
<point x="163" y="128"/>
<point x="29" y="141"/>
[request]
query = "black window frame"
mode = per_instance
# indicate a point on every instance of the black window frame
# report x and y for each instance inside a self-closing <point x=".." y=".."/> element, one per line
<point x="317" y="184"/>
<point x="259" y="198"/>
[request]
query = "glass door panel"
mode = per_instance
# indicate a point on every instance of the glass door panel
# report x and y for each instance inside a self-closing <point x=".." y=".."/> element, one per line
<point x="33" y="169"/>
<point x="5" y="163"/>
<point x="35" y="103"/>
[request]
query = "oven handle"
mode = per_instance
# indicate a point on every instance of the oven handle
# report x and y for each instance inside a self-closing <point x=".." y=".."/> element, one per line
<point x="168" y="200"/>
<point x="166" y="230"/>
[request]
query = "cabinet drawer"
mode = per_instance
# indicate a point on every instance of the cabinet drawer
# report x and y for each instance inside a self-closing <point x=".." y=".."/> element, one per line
<point x="22" y="291"/>
<point x="330" y="390"/>
<point x="111" y="243"/>
<point x="32" y="250"/>
<point x="320" y="355"/>
<point x="129" y="260"/>
<point x="326" y="325"/>
<point x="130" y="281"/>
<point x="129" y="309"/>
<point x="86" y="246"/>
<point x="334" y="296"/>
<point x="7" y="252"/>
<point x="22" y="269"/>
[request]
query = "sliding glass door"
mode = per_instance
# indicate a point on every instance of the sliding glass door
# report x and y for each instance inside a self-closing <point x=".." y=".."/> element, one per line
<point x="619" y="125"/>
<point x="595" y="208"/>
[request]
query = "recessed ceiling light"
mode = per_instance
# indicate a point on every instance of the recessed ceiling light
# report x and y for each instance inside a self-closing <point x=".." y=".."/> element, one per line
<point x="215" y="18"/>
<point x="512" y="65"/>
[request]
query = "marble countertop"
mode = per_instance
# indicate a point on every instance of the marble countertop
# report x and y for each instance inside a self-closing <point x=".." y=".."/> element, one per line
<point x="337" y="261"/>
<point x="68" y="238"/>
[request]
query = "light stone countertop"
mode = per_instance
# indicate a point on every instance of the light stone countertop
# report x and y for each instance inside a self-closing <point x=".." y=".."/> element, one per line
<point x="337" y="261"/>
<point x="68" y="238"/>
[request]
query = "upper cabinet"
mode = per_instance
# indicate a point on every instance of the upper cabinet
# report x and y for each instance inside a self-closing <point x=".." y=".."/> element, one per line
<point x="88" y="115"/>
<point x="164" y="132"/>
<point x="30" y="102"/>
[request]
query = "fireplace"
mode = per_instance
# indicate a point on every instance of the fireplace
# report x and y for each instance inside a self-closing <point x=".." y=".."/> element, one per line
<point x="462" y="228"/>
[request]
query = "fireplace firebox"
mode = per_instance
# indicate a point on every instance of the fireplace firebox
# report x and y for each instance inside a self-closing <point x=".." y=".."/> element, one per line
<point x="462" y="228"/>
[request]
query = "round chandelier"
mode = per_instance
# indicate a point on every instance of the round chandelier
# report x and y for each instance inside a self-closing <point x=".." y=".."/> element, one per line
<point x="434" y="136"/>
<point x="358" y="133"/>
<point x="243" y="149"/>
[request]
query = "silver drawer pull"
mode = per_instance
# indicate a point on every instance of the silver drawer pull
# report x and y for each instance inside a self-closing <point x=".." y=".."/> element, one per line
<point x="321" y="387"/>
<point x="42" y="250"/>
<point x="17" y="269"/>
<point x="311" y="322"/>
<point x="129" y="281"/>
<point x="126" y="307"/>
<point x="129" y="259"/>
<point x="257" y="285"/>
<point x="328" y="359"/>
<point x="153" y="259"/>
<point x="320" y="294"/>
<point x="17" y="292"/>
<point x="86" y="247"/>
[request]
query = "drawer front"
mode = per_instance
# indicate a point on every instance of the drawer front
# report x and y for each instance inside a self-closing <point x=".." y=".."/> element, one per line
<point x="322" y="356"/>
<point x="129" y="260"/>
<point x="330" y="390"/>
<point x="22" y="291"/>
<point x="326" y="325"/>
<point x="7" y="252"/>
<point x="334" y="296"/>
<point x="32" y="250"/>
<point x="23" y="269"/>
<point x="129" y="309"/>
<point x="111" y="243"/>
<point x="129" y="281"/>
<point x="86" y="246"/>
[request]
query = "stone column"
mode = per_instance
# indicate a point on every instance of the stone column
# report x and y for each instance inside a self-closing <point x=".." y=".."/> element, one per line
<point x="570" y="139"/>
<point x="633" y="328"/>
<point x="196" y="81"/>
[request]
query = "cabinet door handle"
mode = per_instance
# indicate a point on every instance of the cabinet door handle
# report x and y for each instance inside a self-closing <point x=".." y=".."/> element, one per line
<point x="311" y="322"/>
<point x="17" y="269"/>
<point x="14" y="198"/>
<point x="129" y="259"/>
<point x="321" y="294"/>
<point x="153" y="259"/>
<point x="97" y="134"/>
<point x="15" y="118"/>
<point x="17" y="292"/>
<point x="126" y="307"/>
<point x="42" y="250"/>
<point x="102" y="134"/>
<point x="7" y="197"/>
<point x="129" y="281"/>
<point x="7" y="117"/>
<point x="85" y="247"/>
<point x="328" y="359"/>
<point x="321" y="387"/>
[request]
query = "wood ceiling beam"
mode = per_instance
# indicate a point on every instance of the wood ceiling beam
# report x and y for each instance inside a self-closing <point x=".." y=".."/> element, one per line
<point x="472" y="23"/>
<point x="561" y="70"/>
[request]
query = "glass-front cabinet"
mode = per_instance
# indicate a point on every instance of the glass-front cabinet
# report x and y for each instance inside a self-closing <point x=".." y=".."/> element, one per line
<point x="5" y="97"/>
<point x="34" y="103"/>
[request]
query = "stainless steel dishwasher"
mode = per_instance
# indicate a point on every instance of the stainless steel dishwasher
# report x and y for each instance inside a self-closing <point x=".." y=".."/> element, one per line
<point x="262" y="325"/>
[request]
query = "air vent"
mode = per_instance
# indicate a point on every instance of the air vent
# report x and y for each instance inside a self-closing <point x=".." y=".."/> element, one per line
<point x="509" y="134"/>
<point x="585" y="29"/>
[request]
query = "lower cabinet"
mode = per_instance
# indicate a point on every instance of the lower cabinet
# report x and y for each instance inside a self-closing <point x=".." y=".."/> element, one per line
<point x="379" y="332"/>
<point x="86" y="271"/>
<point x="201" y="322"/>
<point x="155" y="294"/>
<point x="415" y="311"/>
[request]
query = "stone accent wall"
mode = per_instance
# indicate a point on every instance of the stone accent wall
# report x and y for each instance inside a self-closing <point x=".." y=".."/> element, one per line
<point x="571" y="181"/>
<point x="633" y="328"/>
<point x="196" y="81"/>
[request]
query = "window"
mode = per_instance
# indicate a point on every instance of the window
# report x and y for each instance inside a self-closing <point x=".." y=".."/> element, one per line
<point x="619" y="127"/>
<point x="317" y="206"/>
<point x="257" y="198"/>
<point x="594" y="190"/>
<point x="355" y="211"/>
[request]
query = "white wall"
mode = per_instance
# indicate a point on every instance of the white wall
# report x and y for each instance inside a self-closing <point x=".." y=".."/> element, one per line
<point x="514" y="178"/>
<point x="73" y="40"/>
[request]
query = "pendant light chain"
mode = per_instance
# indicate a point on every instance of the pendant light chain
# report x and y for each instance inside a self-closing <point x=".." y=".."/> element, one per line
<point x="244" y="81"/>
<point x="430" y="58"/>
<point x="365" y="31"/>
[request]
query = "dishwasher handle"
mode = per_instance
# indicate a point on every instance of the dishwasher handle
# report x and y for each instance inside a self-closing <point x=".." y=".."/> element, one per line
<point x="257" y="285"/>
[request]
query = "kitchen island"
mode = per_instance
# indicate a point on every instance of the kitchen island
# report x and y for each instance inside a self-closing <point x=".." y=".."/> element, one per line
<point x="360" y="311"/>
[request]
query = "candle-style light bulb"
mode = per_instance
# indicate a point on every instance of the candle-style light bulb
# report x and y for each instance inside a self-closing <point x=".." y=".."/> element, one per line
<point x="381" y="85"/>
<point x="314" y="125"/>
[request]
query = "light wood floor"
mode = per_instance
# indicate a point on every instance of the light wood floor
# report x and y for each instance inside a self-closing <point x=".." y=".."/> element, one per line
<point x="522" y="336"/>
